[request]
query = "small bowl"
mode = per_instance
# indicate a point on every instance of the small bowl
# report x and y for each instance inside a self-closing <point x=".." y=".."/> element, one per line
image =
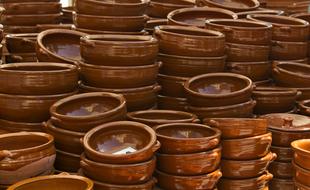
<point x="283" y="184"/>
<point x="67" y="162"/>
<point x="218" y="89"/>
<point x="234" y="5"/>
<point x="30" y="19"/>
<point x="171" y="103"/>
<point x="151" y="24"/>
<point x="161" y="8"/>
<point x="12" y="127"/>
<point x="132" y="143"/>
<point x="282" y="170"/>
<point x="301" y="176"/>
<point x="246" y="148"/>
<point x="182" y="164"/>
<point x="197" y="138"/>
<point x="172" y="86"/>
<point x="21" y="43"/>
<point x="282" y="50"/>
<point x="301" y="153"/>
<point x="234" y="128"/>
<point x="26" y="8"/>
<point x="304" y="107"/>
<point x="247" y="53"/>
<point x="284" y="154"/>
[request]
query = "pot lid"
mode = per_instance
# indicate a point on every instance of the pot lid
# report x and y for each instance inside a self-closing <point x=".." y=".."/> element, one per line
<point x="288" y="122"/>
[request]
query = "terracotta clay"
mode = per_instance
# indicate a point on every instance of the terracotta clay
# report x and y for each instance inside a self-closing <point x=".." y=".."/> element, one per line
<point x="172" y="86"/>
<point x="281" y="169"/>
<point x="301" y="153"/>
<point x="234" y="5"/>
<point x="67" y="162"/>
<point x="283" y="184"/>
<point x="284" y="154"/>
<point x="30" y="19"/>
<point x="281" y="50"/>
<point x="21" y="43"/>
<point x="38" y="8"/>
<point x="161" y="8"/>
<point x="171" y="103"/>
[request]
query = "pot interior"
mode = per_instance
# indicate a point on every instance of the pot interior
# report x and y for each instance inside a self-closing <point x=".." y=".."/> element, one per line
<point x="188" y="32"/>
<point x="236" y="3"/>
<point x="287" y="121"/>
<point x="278" y="20"/>
<point x="162" y="116"/>
<point x="22" y="142"/>
<point x="185" y="131"/>
<point x="296" y="69"/>
<point x="239" y="23"/>
<point x="34" y="67"/>
<point x="303" y="146"/>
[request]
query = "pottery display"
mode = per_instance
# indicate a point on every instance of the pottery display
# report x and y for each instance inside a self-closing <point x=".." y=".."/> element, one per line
<point x="171" y="103"/>
<point x="172" y="86"/>
<point x="31" y="8"/>
<point x="66" y="161"/>
<point x="256" y="71"/>
<point x="281" y="169"/>
<point x="21" y="43"/>
<point x="283" y="184"/>
<point x="234" y="5"/>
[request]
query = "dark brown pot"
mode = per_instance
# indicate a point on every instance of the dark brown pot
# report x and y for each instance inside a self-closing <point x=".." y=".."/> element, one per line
<point x="161" y="8"/>
<point x="281" y="169"/>
<point x="32" y="8"/>
<point x="21" y="43"/>
<point x="20" y="57"/>
<point x="12" y="127"/>
<point x="172" y="86"/>
<point x="30" y="19"/>
<point x="151" y="24"/>
<point x="284" y="154"/>
<point x="243" y="15"/>
<point x="281" y="50"/>
<point x="20" y="29"/>
<point x="283" y="184"/>
<point x="304" y="107"/>
<point x="256" y="71"/>
<point x="234" y="5"/>
<point x="171" y="103"/>
<point x="67" y="162"/>
<point x="301" y="153"/>
<point x="301" y="175"/>
<point x="284" y="138"/>
<point x="90" y="32"/>
<point x="247" y="53"/>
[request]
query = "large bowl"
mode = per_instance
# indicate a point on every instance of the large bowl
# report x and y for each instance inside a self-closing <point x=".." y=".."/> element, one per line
<point x="26" y="8"/>
<point x="247" y="53"/>
<point x="284" y="154"/>
<point x="67" y="162"/>
<point x="21" y="43"/>
<point x="172" y="86"/>
<point x="283" y="170"/>
<point x="301" y="150"/>
<point x="233" y="5"/>
<point x="30" y="19"/>
<point x="290" y="51"/>
<point x="161" y="8"/>
<point x="256" y="71"/>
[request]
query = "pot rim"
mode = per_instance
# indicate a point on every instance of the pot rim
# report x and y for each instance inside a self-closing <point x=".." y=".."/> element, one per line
<point x="100" y="40"/>
<point x="142" y="2"/>
<point x="221" y="108"/>
<point x="296" y="166"/>
<point x="195" y="177"/>
<point x="296" y="147"/>
<point x="247" y="46"/>
<point x="263" y="25"/>
<point x="217" y="149"/>
<point x="94" y="32"/>
<point x="155" y="21"/>
<point x="285" y="71"/>
<point x="302" y="23"/>
<point x="56" y="129"/>
<point x="36" y="97"/>
<point x="170" y="77"/>
<point x="173" y="5"/>
<point x="75" y="15"/>
<point x="105" y="68"/>
<point x="280" y="147"/>
<point x="303" y="105"/>
<point x="28" y="3"/>
<point x="172" y="98"/>
<point x="257" y="137"/>
<point x="255" y="2"/>
<point x="262" y="11"/>
<point x="22" y="123"/>
<point x="22" y="35"/>
<point x="275" y="92"/>
<point x="232" y="119"/>
<point x="248" y="63"/>
<point x="151" y="182"/>
<point x="191" y="58"/>
<point x="266" y="175"/>
<point x="267" y="158"/>
<point x="285" y="42"/>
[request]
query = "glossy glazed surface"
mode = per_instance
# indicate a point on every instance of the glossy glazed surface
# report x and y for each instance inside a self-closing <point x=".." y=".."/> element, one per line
<point x="301" y="150"/>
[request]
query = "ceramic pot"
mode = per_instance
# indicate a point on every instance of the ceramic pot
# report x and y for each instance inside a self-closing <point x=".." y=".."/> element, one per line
<point x="124" y="174"/>
<point x="283" y="184"/>
<point x="242" y="31"/>
<point x="21" y="43"/>
<point x="151" y="24"/>
<point x="303" y="61"/>
<point x="32" y="8"/>
<point x="20" y="57"/>
<point x="198" y="138"/>
<point x="43" y="27"/>
<point x="243" y="15"/>
<point x="19" y="29"/>
<point x="282" y="50"/>
<point x="234" y="128"/>
<point x="281" y="169"/>
<point x="110" y="8"/>
<point x="53" y="48"/>
<point x="83" y="112"/>
<point x="247" y="53"/>
<point x="89" y="31"/>
<point x="256" y="71"/>
<point x="38" y="78"/>
<point x="235" y="5"/>
<point x="30" y="19"/>
<point x="67" y="162"/>
<point x="301" y="153"/>
<point x="161" y="8"/>
<point x="189" y="164"/>
<point x="196" y="42"/>
<point x="110" y="23"/>
<point x="303" y="16"/>
<point x="172" y="86"/>
<point x="301" y="175"/>
<point x="246" y="148"/>
<point x="12" y="127"/>
<point x="197" y="16"/>
<point x="26" y="108"/>
<point x="119" y="50"/>
<point x="218" y="89"/>
<point x="304" y="107"/>
<point x="190" y="66"/>
<point x="134" y="143"/>
<point x="127" y="77"/>
<point x="171" y="103"/>
<point x="173" y="182"/>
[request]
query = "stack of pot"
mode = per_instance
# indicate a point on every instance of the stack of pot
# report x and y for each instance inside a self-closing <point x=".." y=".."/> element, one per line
<point x="123" y="64"/>
<point x="245" y="153"/>
<point x="201" y="51"/>
<point x="23" y="16"/>
<point x="189" y="156"/>
<point x="73" y="116"/>
<point x="29" y="89"/>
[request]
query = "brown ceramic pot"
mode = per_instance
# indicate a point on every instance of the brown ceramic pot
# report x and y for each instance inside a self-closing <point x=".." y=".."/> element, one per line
<point x="282" y="50"/>
<point x="246" y="148"/>
<point x="243" y="15"/>
<point x="234" y="5"/>
<point x="242" y="31"/>
<point x="256" y="71"/>
<point x="196" y="42"/>
<point x="264" y="83"/>
<point x="119" y="50"/>
<point x="301" y="153"/>
<point x="186" y="138"/>
<point x="32" y="8"/>
<point x="21" y="43"/>
<point x="110" y="23"/>
<point x="151" y="24"/>
<point x="59" y="45"/>
<point x="303" y="16"/>
<point x="301" y="175"/>
<point x="197" y="16"/>
<point x="233" y="128"/>
<point x="83" y="112"/>
<point x="283" y="184"/>
<point x="119" y="77"/>
<point x="284" y="154"/>
<point x="20" y="57"/>
<point x="218" y="89"/>
<point x="304" y="107"/>
<point x="161" y="8"/>
<point x="30" y="19"/>
<point x="189" y="164"/>
<point x="67" y="162"/>
<point x="91" y="32"/>
<point x="281" y="169"/>
<point x="12" y="127"/>
<point x="173" y="182"/>
<point x="171" y="103"/>
<point x="124" y="174"/>
<point x="38" y="78"/>
<point x="247" y="53"/>
<point x="172" y="86"/>
<point x="111" y="8"/>
<point x="122" y="142"/>
<point x="19" y="29"/>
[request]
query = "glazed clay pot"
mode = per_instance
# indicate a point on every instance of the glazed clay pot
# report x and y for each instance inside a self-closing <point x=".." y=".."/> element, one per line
<point x="111" y="8"/>
<point x="304" y="107"/>
<point x="132" y="143"/>
<point x="53" y="48"/>
<point x="172" y="182"/>
<point x="89" y="31"/>
<point x="197" y="138"/>
<point x="83" y="112"/>
<point x="281" y="169"/>
<point x="242" y="31"/>
<point x="30" y="19"/>
<point x="38" y="78"/>
<point x="12" y="127"/>
<point x="196" y="42"/>
<point x="25" y="154"/>
<point x="190" y="66"/>
<point x="172" y="86"/>
<point x="32" y="8"/>
<point x="256" y="71"/>
<point x="284" y="154"/>
<point x="283" y="184"/>
<point x="110" y="23"/>
<point x="282" y="50"/>
<point x="151" y="24"/>
<point x="161" y="8"/>
<point x="197" y="16"/>
<point x="243" y="15"/>
<point x="247" y="53"/>
<point x="21" y="43"/>
<point x="235" y="5"/>
<point x="235" y="169"/>
<point x="171" y="103"/>
<point x="301" y="176"/>
<point x="246" y="148"/>
<point x="218" y="89"/>
<point x="182" y="164"/>
<point x="301" y="153"/>
<point x="233" y="128"/>
<point x="124" y="174"/>
<point x="303" y="16"/>
<point x="119" y="50"/>
<point x="67" y="162"/>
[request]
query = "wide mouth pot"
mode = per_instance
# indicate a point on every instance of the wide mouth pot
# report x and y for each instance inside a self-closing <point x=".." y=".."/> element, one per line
<point x="122" y="40"/>
<point x="239" y="24"/>
<point x="277" y="20"/>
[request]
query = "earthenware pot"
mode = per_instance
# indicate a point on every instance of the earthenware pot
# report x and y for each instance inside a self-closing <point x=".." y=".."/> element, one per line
<point x="111" y="8"/>
<point x="283" y="184"/>
<point x="124" y="174"/>
<point x="173" y="182"/>
<point x="172" y="86"/>
<point x="83" y="112"/>
<point x="301" y="153"/>
<point x="12" y="127"/>
<point x="281" y="50"/>
<point x="197" y="16"/>
<point x="110" y="23"/>
<point x="243" y="15"/>
<point x="19" y="29"/>
<point x="196" y="42"/>
<point x="89" y="31"/>
<point x="171" y="103"/>
<point x="127" y="77"/>
<point x="53" y="48"/>
<point x="32" y="8"/>
<point x="189" y="164"/>
<point x="197" y="138"/>
<point x="218" y="89"/>
<point x="256" y="71"/>
<point x="190" y="66"/>
<point x="161" y="8"/>
<point x="284" y="154"/>
<point x="235" y="169"/>
<point x="43" y="27"/>
<point x="304" y="107"/>
<point x="284" y="28"/>
<point x="235" y="5"/>
<point x="21" y="43"/>
<point x="30" y="19"/>
<point x="242" y="31"/>
<point x="38" y="78"/>
<point x="303" y="16"/>
<point x="281" y="169"/>
<point x="28" y="108"/>
<point x="67" y="162"/>
<point x="151" y="24"/>
<point x="233" y="128"/>
<point x="246" y="148"/>
<point x="133" y="143"/>
<point x="119" y="50"/>
<point x="247" y="53"/>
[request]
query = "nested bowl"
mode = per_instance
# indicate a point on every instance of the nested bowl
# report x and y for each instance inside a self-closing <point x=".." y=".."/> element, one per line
<point x="282" y="50"/>
<point x="247" y="53"/>
<point x="186" y="138"/>
<point x="83" y="112"/>
<point x="121" y="142"/>
<point x="161" y="8"/>
<point x="21" y="43"/>
<point x="196" y="42"/>
<point x="301" y="176"/>
<point x="233" y="5"/>
<point x="119" y="50"/>
<point x="301" y="153"/>
<point x="67" y="162"/>
<point x="282" y="170"/>
<point x="304" y="107"/>
<point x="12" y="126"/>
<point x="284" y="154"/>
<point x="218" y="89"/>
<point x="30" y="19"/>
<point x="25" y="8"/>
<point x="171" y="103"/>
<point x="283" y="184"/>
<point x="172" y="86"/>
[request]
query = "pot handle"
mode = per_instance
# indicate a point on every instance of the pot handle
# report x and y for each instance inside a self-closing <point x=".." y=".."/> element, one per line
<point x="273" y="157"/>
<point x="5" y="154"/>
<point x="298" y="94"/>
<point x="275" y="43"/>
<point x="266" y="177"/>
<point x="217" y="175"/>
<point x="214" y="123"/>
<point x="63" y="174"/>
<point x="83" y="164"/>
<point x="214" y="142"/>
<point x="156" y="146"/>
<point x="253" y="103"/>
<point x="146" y="18"/>
<point x="82" y="141"/>
<point x="196" y="120"/>
<point x="41" y="51"/>
<point x="160" y="64"/>
<point x="157" y="88"/>
<point x="266" y="139"/>
<point x="44" y="124"/>
<point x="200" y="3"/>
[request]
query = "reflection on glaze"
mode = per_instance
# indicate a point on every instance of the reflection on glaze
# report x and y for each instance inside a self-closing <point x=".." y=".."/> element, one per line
<point x="67" y="50"/>
<point x="217" y="88"/>
<point x="88" y="109"/>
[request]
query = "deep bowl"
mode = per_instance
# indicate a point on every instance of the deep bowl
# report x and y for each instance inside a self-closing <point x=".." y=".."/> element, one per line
<point x="21" y="43"/>
<point x="301" y="150"/>
<point x="161" y="8"/>
<point x="233" y="5"/>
